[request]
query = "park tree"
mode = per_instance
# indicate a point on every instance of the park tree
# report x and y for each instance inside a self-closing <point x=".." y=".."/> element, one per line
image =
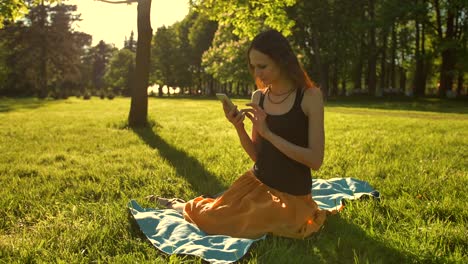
<point x="130" y="44"/>
<point x="313" y="34"/>
<point x="10" y="10"/>
<point x="226" y="60"/>
<point x="101" y="54"/>
<point x="120" y="72"/>
<point x="332" y="36"/>
<point x="39" y="36"/>
<point x="42" y="54"/>
<point x="184" y="56"/>
<point x="4" y="69"/>
<point x="138" y="115"/>
<point x="200" y="38"/>
<point x="67" y="48"/>
<point x="13" y="59"/>
<point x="86" y="72"/>
<point x="245" y="16"/>
<point x="164" y="50"/>
<point x="177" y="52"/>
<point x="451" y="26"/>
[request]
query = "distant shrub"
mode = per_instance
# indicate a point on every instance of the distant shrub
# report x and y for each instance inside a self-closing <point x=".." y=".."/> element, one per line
<point x="86" y="95"/>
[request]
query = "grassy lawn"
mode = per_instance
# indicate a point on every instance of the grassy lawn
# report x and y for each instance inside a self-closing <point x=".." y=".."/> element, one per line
<point x="68" y="169"/>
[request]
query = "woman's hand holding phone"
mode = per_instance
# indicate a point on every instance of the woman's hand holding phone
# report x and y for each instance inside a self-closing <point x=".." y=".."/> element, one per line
<point x="231" y="112"/>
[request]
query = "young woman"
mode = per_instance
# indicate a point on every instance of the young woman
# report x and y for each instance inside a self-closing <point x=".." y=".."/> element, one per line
<point x="287" y="141"/>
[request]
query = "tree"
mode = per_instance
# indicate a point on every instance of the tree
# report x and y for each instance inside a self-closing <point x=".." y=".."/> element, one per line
<point x="66" y="50"/>
<point x="12" y="53"/>
<point x="200" y="38"/>
<point x="451" y="27"/>
<point x="130" y="44"/>
<point x="248" y="17"/>
<point x="119" y="75"/>
<point x="101" y="54"/>
<point x="177" y="53"/>
<point x="331" y="36"/>
<point x="164" y="49"/>
<point x="226" y="58"/>
<point x="138" y="115"/>
<point x="183" y="58"/>
<point x="43" y="54"/>
<point x="10" y="10"/>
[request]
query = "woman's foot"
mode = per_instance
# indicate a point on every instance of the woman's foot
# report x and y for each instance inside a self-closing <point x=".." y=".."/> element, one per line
<point x="170" y="203"/>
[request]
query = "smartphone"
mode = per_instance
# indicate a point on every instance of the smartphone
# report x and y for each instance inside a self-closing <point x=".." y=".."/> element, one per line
<point x="224" y="98"/>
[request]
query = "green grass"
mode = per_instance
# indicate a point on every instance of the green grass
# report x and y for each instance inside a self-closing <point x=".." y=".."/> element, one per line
<point x="68" y="169"/>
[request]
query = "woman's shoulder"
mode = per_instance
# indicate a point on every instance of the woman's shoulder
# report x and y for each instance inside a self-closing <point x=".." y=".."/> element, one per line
<point x="313" y="92"/>
<point x="312" y="100"/>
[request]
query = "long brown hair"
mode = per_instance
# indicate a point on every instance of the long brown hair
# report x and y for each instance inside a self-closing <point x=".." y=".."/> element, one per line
<point x="276" y="46"/>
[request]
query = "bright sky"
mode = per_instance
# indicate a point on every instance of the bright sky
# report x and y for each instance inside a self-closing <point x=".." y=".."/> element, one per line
<point x="112" y="22"/>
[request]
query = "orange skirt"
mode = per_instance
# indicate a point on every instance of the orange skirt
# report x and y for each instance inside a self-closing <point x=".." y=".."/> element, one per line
<point x="250" y="209"/>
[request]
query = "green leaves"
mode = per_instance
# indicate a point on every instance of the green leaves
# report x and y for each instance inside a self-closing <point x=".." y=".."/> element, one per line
<point x="11" y="10"/>
<point x="226" y="59"/>
<point x="248" y="17"/>
<point x="119" y="75"/>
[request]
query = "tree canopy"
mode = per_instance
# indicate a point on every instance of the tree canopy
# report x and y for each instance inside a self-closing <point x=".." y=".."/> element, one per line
<point x="371" y="47"/>
<point x="248" y="17"/>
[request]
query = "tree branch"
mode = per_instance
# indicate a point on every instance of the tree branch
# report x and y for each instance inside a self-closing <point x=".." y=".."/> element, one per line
<point x="118" y="2"/>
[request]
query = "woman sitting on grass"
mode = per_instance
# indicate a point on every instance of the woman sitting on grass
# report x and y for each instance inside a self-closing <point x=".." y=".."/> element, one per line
<point x="287" y="141"/>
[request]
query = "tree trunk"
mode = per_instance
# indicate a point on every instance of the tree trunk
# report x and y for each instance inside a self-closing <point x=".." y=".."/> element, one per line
<point x="402" y="71"/>
<point x="357" y="76"/>
<point x="383" y="63"/>
<point x="357" y="73"/>
<point x="446" y="72"/>
<point x="343" y="86"/>
<point x="393" y="55"/>
<point x="425" y="62"/>
<point x="160" y="90"/>
<point x="139" y="103"/>
<point x="448" y="57"/>
<point x="460" y="82"/>
<point x="447" y="69"/>
<point x="211" y="85"/>
<point x="372" y="61"/>
<point x="323" y="69"/>
<point x="402" y="79"/>
<point x="43" y="91"/>
<point x="418" y="81"/>
<point x="334" y="80"/>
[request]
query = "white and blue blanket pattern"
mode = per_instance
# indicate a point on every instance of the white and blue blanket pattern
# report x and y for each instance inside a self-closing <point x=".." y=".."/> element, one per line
<point x="169" y="232"/>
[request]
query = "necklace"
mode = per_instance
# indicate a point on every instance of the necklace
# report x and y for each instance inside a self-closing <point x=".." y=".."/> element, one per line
<point x="279" y="94"/>
<point x="282" y="100"/>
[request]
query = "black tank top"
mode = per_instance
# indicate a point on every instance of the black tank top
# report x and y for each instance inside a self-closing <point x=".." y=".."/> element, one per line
<point x="275" y="169"/>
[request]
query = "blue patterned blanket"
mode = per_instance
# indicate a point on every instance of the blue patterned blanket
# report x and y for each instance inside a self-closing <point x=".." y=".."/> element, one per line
<point x="167" y="230"/>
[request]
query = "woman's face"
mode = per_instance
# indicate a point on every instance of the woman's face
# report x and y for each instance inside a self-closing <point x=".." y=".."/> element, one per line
<point x="264" y="68"/>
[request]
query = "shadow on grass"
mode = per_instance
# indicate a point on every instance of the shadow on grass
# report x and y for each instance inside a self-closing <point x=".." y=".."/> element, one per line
<point x="14" y="104"/>
<point x="340" y="241"/>
<point x="199" y="178"/>
<point x="455" y="106"/>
